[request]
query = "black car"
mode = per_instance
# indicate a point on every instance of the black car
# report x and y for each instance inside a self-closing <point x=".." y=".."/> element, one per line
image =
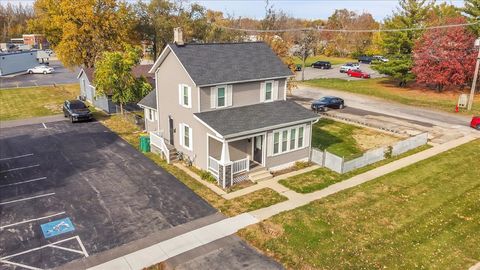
<point x="76" y="110"/>
<point x="322" y="65"/>
<point x="324" y="103"/>
<point x="365" y="59"/>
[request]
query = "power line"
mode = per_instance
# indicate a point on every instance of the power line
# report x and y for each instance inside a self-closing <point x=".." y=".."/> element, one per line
<point x="320" y="29"/>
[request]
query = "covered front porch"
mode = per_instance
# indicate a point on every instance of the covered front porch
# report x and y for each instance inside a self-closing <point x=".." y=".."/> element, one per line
<point x="230" y="161"/>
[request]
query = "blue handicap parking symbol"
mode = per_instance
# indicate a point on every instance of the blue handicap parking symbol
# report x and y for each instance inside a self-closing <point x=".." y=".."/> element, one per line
<point x="57" y="227"/>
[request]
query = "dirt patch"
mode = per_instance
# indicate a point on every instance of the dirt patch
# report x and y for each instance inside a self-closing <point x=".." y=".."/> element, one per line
<point x="271" y="230"/>
<point x="53" y="107"/>
<point x="367" y="139"/>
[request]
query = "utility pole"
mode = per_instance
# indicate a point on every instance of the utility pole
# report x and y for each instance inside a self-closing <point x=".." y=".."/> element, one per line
<point x="475" y="77"/>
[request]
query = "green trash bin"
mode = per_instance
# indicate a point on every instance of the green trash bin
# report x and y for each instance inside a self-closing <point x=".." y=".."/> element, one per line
<point x="145" y="144"/>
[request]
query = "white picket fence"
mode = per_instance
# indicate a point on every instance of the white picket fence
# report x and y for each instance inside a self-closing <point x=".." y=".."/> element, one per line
<point x="340" y="165"/>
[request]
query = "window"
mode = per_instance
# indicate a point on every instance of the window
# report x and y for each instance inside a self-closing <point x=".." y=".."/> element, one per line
<point x="288" y="139"/>
<point x="284" y="140"/>
<point x="221" y="97"/>
<point x="186" y="136"/>
<point x="276" y="142"/>
<point x="150" y="114"/>
<point x="293" y="137"/>
<point x="268" y="91"/>
<point x="185" y="95"/>
<point x="300" y="137"/>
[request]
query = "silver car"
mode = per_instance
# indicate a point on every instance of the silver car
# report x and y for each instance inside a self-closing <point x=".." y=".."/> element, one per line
<point x="40" y="70"/>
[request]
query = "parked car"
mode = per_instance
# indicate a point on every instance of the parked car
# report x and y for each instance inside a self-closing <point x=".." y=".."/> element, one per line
<point x="358" y="73"/>
<point x="346" y="67"/>
<point x="76" y="110"/>
<point x="475" y="122"/>
<point x="365" y="59"/>
<point x="322" y="65"/>
<point x="40" y="69"/>
<point x="324" y="103"/>
<point x="298" y="67"/>
<point x="379" y="58"/>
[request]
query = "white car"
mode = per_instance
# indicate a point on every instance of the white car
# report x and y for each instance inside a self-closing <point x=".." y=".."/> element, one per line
<point x="40" y="69"/>
<point x="380" y="58"/>
<point x="349" y="66"/>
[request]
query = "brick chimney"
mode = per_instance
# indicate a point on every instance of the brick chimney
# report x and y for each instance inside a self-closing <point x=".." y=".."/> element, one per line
<point x="178" y="36"/>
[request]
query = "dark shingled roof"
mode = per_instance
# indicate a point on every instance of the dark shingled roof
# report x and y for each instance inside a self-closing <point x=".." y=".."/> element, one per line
<point x="232" y="121"/>
<point x="137" y="71"/>
<point x="149" y="100"/>
<point x="214" y="63"/>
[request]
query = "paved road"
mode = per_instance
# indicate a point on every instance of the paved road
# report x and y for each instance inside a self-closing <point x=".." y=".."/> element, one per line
<point x="61" y="75"/>
<point x="334" y="72"/>
<point x="380" y="106"/>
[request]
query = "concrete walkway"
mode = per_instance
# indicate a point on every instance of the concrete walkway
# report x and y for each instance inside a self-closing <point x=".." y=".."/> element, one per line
<point x="475" y="267"/>
<point x="193" y="239"/>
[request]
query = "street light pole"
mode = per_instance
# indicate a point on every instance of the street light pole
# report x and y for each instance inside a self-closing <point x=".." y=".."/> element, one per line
<point x="475" y="76"/>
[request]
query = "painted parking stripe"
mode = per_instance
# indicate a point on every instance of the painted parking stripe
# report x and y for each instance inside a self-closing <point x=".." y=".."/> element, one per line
<point x="21" y="156"/>
<point x="23" y="182"/>
<point x="30" y="220"/>
<point x="21" y="265"/>
<point x="29" y="198"/>
<point x="20" y="168"/>
<point x="44" y="125"/>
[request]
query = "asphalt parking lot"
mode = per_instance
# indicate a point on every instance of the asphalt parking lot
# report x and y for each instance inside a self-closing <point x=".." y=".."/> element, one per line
<point x="62" y="75"/>
<point x="334" y="73"/>
<point x="68" y="191"/>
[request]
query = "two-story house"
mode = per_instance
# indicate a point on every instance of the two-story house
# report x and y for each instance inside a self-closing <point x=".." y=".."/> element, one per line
<point x="223" y="105"/>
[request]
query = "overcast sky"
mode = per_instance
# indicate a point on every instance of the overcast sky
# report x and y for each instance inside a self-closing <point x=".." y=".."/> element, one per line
<point x="308" y="9"/>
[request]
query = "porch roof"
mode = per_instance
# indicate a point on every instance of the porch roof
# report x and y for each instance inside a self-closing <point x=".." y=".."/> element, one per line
<point x="238" y="121"/>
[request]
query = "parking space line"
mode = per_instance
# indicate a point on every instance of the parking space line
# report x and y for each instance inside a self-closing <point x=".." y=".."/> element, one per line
<point x="28" y="198"/>
<point x="23" y="182"/>
<point x="30" y="220"/>
<point x="8" y="158"/>
<point x="44" y="125"/>
<point x="81" y="246"/>
<point x="67" y="249"/>
<point x="19" y="264"/>
<point x="20" y="168"/>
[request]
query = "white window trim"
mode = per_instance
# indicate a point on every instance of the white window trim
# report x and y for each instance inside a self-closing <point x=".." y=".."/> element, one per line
<point x="181" y="95"/>
<point x="225" y="93"/>
<point x="271" y="92"/>
<point x="182" y="137"/>
<point x="151" y="113"/>
<point x="280" y="139"/>
<point x="228" y="96"/>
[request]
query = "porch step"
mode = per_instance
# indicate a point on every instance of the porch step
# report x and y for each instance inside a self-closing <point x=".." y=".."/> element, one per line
<point x="173" y="152"/>
<point x="259" y="175"/>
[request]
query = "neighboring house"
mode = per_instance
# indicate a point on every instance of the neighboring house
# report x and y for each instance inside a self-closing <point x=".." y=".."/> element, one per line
<point x="224" y="107"/>
<point x="105" y="103"/>
<point x="15" y="62"/>
<point x="149" y="105"/>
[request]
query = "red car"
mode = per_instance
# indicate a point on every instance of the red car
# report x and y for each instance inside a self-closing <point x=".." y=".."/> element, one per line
<point x="475" y="122"/>
<point x="358" y="73"/>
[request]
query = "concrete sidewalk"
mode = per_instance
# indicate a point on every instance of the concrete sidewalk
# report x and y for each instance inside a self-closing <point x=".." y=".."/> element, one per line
<point x="193" y="239"/>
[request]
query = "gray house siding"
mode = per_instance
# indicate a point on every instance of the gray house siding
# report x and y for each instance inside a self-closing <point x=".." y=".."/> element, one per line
<point x="247" y="93"/>
<point x="168" y="77"/>
<point x="17" y="62"/>
<point x="88" y="92"/>
<point x="150" y="124"/>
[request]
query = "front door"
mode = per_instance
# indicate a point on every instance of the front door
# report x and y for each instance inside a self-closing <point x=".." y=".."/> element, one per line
<point x="257" y="149"/>
<point x="170" y="129"/>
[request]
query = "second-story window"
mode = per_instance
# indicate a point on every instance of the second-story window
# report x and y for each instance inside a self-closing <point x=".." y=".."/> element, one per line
<point x="221" y="97"/>
<point x="185" y="95"/>
<point x="268" y="91"/>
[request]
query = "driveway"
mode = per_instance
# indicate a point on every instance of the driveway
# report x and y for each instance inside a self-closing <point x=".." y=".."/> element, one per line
<point x="68" y="191"/>
<point x="334" y="73"/>
<point x="62" y="75"/>
<point x="381" y="113"/>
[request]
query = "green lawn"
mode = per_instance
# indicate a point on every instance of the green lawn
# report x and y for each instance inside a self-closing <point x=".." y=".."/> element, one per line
<point x="18" y="103"/>
<point x="386" y="89"/>
<point x="346" y="140"/>
<point x="323" y="177"/>
<point x="331" y="59"/>
<point x="424" y="216"/>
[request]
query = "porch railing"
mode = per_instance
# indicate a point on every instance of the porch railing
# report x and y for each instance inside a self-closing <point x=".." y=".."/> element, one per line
<point x="213" y="165"/>
<point x="157" y="140"/>
<point x="242" y="165"/>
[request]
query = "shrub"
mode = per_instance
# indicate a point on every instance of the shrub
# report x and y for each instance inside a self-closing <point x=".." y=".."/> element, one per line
<point x="207" y="176"/>
<point x="302" y="165"/>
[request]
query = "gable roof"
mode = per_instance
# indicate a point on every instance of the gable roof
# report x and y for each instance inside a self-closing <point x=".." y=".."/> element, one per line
<point x="237" y="121"/>
<point x="150" y="100"/>
<point x="137" y="72"/>
<point x="215" y="63"/>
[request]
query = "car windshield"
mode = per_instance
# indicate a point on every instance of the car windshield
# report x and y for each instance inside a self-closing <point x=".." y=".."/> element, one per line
<point x="325" y="99"/>
<point x="77" y="105"/>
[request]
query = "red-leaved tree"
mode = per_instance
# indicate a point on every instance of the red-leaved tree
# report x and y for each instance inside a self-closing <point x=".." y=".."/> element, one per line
<point x="445" y="57"/>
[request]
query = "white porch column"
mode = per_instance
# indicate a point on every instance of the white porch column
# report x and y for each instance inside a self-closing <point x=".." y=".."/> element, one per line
<point x="225" y="157"/>
<point x="226" y="164"/>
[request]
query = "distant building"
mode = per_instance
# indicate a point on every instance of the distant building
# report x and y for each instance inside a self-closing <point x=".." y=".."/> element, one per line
<point x="37" y="41"/>
<point x="16" y="62"/>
